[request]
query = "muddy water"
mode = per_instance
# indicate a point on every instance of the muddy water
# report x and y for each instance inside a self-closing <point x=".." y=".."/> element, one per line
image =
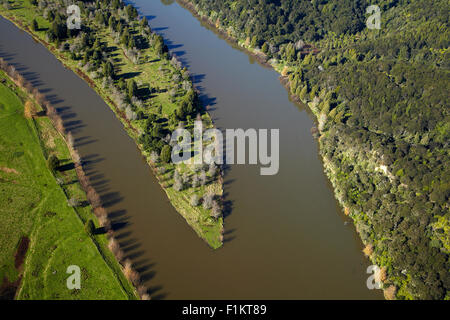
<point x="285" y="235"/>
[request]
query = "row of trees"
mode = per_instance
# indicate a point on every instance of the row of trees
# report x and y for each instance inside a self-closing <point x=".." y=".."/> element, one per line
<point x="92" y="196"/>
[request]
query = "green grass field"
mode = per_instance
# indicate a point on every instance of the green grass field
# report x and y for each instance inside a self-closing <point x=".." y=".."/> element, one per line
<point x="33" y="205"/>
<point x="152" y="72"/>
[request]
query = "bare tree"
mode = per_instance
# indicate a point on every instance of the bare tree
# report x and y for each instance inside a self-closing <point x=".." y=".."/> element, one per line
<point x="195" y="200"/>
<point x="178" y="185"/>
<point x="216" y="211"/>
<point x="154" y="157"/>
<point x="208" y="200"/>
<point x="212" y="169"/>
<point x="195" y="181"/>
<point x="203" y="178"/>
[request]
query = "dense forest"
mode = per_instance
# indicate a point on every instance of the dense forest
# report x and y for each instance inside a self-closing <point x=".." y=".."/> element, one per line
<point x="381" y="101"/>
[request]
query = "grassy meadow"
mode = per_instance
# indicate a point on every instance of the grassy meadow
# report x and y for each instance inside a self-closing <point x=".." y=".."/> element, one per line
<point x="34" y="206"/>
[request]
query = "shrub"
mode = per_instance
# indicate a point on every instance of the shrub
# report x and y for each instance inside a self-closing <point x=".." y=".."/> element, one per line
<point x="390" y="293"/>
<point x="215" y="212"/>
<point x="93" y="197"/>
<point x="368" y="250"/>
<point x="208" y="200"/>
<point x="162" y="170"/>
<point x="70" y="140"/>
<point x="195" y="181"/>
<point x="154" y="157"/>
<point x="195" y="200"/>
<point x="166" y="154"/>
<point x="29" y="110"/>
<point x="142" y="291"/>
<point x="130" y="273"/>
<point x="212" y="169"/>
<point x="203" y="178"/>
<point x="113" y="245"/>
<point x="90" y="227"/>
<point x="178" y="185"/>
<point x="104" y="222"/>
<point x="53" y="162"/>
<point x="73" y="202"/>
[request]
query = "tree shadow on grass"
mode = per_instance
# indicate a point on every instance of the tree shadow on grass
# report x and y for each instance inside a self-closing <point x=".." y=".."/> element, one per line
<point x="129" y="75"/>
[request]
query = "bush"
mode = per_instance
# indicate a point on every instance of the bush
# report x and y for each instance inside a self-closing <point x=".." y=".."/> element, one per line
<point x="216" y="211"/>
<point x="53" y="162"/>
<point x="73" y="202"/>
<point x="34" y="25"/>
<point x="208" y="201"/>
<point x="90" y="227"/>
<point x="166" y="154"/>
<point x="195" y="200"/>
<point x="29" y="110"/>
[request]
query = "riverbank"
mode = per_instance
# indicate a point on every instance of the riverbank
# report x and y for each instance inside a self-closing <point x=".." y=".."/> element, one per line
<point x="159" y="99"/>
<point x="284" y="70"/>
<point x="44" y="231"/>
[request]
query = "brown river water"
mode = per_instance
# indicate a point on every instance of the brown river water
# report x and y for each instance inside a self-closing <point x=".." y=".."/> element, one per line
<point x="285" y="236"/>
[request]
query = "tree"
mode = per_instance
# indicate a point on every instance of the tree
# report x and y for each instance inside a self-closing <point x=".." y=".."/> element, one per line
<point x="34" y="25"/>
<point x="208" y="200"/>
<point x="160" y="47"/>
<point x="178" y="185"/>
<point x="144" y="22"/>
<point x="166" y="153"/>
<point x="195" y="200"/>
<point x="108" y="70"/>
<point x="303" y="93"/>
<point x="132" y="89"/>
<point x="195" y="181"/>
<point x="112" y="23"/>
<point x="131" y="12"/>
<point x="265" y="48"/>
<point x="203" y="178"/>
<point x="90" y="227"/>
<point x="116" y="4"/>
<point x="154" y="157"/>
<point x="215" y="210"/>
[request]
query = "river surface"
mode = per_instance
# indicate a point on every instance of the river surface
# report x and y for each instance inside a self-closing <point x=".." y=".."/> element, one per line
<point x="285" y="236"/>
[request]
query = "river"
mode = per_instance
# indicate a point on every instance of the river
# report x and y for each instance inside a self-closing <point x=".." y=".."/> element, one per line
<point x="285" y="236"/>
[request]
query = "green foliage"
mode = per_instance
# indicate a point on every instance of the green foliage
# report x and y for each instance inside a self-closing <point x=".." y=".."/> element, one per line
<point x="386" y="95"/>
<point x="166" y="154"/>
<point x="108" y="70"/>
<point x="132" y="89"/>
<point x="34" y="25"/>
<point x="53" y="162"/>
<point x="89" y="226"/>
<point x="41" y="214"/>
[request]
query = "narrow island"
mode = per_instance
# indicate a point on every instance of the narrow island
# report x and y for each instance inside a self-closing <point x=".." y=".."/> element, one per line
<point x="131" y="68"/>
